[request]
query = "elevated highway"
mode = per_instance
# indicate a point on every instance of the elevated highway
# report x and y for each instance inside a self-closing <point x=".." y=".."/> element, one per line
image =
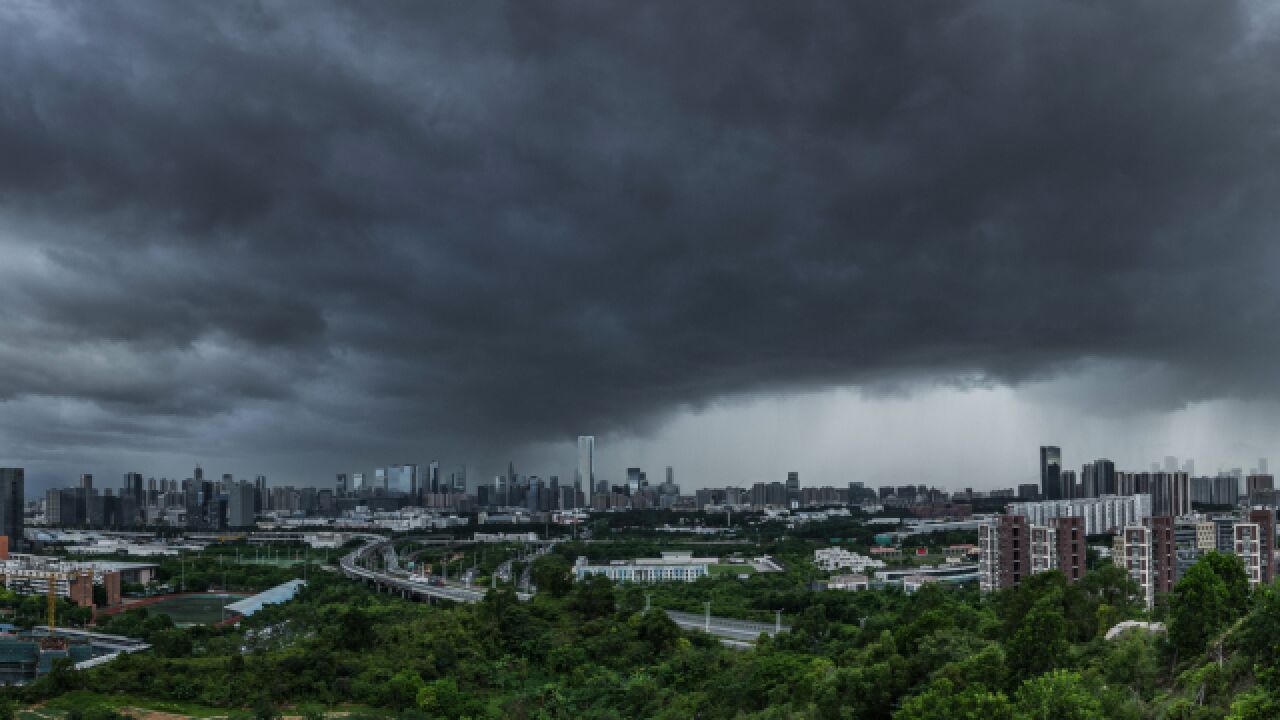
<point x="732" y="632"/>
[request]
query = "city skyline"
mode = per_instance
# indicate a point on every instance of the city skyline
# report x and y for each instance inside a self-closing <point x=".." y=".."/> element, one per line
<point x="618" y="475"/>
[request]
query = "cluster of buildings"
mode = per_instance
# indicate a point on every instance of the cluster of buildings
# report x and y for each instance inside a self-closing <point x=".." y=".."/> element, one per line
<point x="1172" y="486"/>
<point x="1155" y="550"/>
<point x="1156" y="535"/>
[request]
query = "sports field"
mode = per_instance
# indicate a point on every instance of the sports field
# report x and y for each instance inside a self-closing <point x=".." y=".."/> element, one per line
<point x="202" y="609"/>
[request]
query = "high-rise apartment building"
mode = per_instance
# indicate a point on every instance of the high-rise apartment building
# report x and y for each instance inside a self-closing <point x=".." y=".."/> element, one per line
<point x="1249" y="545"/>
<point x="1148" y="554"/>
<point x="1260" y="489"/>
<point x="1010" y="549"/>
<point x="1170" y="494"/>
<point x="1265" y="519"/>
<point x="1131" y="550"/>
<point x="1099" y="478"/>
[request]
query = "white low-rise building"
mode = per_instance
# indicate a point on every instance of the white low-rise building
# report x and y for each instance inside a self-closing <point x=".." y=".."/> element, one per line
<point x="848" y="582"/>
<point x="838" y="558"/>
<point x="671" y="567"/>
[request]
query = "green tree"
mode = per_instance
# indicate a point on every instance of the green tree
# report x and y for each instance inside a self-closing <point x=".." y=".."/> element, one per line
<point x="941" y="700"/>
<point x="402" y="690"/>
<point x="1260" y="628"/>
<point x="1212" y="594"/>
<point x="551" y="573"/>
<point x="593" y="596"/>
<point x="1040" y="642"/>
<point x="1058" y="695"/>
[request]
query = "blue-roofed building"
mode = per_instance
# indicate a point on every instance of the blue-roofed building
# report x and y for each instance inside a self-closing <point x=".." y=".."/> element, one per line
<point x="278" y="594"/>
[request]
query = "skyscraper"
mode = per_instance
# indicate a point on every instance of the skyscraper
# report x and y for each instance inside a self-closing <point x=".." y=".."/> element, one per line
<point x="403" y="479"/>
<point x="433" y="477"/>
<point x="12" y="495"/>
<point x="240" y="497"/>
<point x="584" y="475"/>
<point x="1051" y="473"/>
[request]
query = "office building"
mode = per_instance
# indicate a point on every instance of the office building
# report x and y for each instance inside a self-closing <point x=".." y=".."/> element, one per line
<point x="584" y="475"/>
<point x="671" y="567"/>
<point x="433" y="477"/>
<point x="1051" y="473"/>
<point x="12" y="497"/>
<point x="240" y="497"/>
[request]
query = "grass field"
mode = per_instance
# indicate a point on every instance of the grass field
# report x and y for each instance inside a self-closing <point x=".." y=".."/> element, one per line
<point x="195" y="609"/>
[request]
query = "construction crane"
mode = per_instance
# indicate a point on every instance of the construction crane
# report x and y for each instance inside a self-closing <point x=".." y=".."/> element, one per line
<point x="52" y="642"/>
<point x="52" y="583"/>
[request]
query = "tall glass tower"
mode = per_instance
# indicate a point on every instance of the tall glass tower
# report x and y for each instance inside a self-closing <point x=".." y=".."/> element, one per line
<point x="585" y="474"/>
<point x="1051" y="473"/>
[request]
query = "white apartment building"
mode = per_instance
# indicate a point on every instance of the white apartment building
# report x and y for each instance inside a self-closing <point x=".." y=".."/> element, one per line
<point x="1131" y="550"/>
<point x="1043" y="548"/>
<point x="1108" y="513"/>
<point x="1248" y="547"/>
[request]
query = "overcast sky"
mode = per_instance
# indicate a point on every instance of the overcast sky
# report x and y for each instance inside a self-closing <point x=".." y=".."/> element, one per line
<point x="873" y="241"/>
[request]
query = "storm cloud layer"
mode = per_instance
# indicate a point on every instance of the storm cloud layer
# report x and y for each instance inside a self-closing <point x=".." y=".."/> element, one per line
<point x="320" y="229"/>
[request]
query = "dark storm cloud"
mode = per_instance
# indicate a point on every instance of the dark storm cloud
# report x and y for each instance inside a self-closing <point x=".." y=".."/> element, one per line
<point x="515" y="222"/>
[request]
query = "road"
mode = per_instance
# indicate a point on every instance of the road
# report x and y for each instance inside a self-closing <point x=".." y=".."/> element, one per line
<point x="734" y="633"/>
<point x="728" y="629"/>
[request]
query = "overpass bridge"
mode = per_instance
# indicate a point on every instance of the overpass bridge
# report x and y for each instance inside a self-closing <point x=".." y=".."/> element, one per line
<point x="399" y="583"/>
<point x="730" y="631"/>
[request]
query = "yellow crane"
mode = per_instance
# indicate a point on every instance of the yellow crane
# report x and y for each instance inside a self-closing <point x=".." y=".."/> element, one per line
<point x="52" y="582"/>
<point x="52" y="642"/>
